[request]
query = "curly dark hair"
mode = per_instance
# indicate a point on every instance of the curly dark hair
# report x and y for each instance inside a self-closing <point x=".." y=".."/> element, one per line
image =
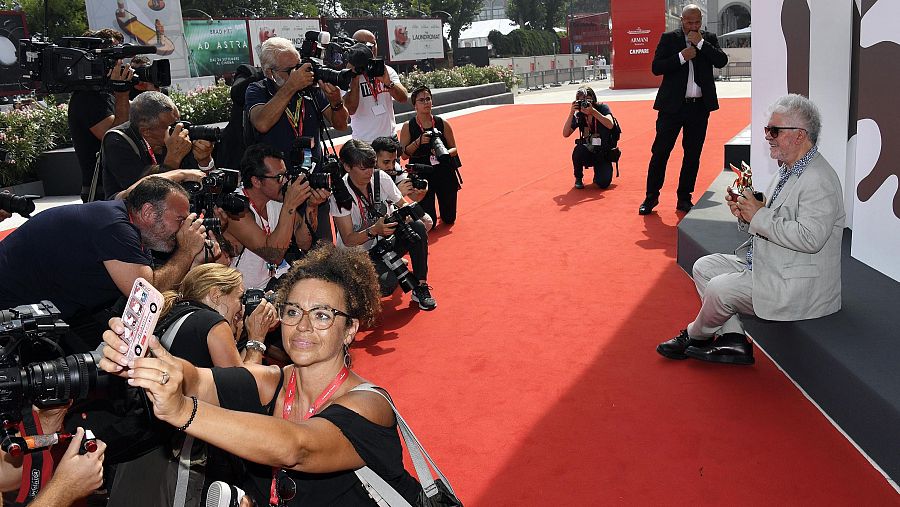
<point x="349" y="268"/>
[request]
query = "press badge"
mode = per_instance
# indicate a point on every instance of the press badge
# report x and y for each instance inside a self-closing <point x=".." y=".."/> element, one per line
<point x="378" y="109"/>
<point x="434" y="161"/>
<point x="596" y="141"/>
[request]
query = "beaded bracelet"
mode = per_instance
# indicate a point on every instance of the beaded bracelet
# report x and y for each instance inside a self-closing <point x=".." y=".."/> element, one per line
<point x="193" y="413"/>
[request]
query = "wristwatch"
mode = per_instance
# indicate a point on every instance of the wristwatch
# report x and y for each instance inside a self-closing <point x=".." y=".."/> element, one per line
<point x="337" y="106"/>
<point x="370" y="234"/>
<point x="256" y="345"/>
<point x="390" y="85"/>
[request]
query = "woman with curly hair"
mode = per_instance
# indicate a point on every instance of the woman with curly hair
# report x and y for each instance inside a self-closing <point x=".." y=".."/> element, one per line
<point x="304" y="422"/>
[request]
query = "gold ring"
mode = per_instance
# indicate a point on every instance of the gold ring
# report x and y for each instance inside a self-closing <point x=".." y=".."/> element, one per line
<point x="165" y="378"/>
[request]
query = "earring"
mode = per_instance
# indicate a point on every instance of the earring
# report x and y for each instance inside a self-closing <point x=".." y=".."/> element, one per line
<point x="348" y="361"/>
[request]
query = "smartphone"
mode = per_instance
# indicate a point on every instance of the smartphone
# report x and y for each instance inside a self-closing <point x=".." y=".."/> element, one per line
<point x="140" y="317"/>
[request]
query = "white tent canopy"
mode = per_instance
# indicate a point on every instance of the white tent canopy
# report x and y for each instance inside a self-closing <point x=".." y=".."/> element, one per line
<point x="743" y="32"/>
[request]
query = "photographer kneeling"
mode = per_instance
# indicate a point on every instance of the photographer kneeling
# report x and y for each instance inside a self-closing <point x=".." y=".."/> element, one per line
<point x="594" y="123"/>
<point x="374" y="196"/>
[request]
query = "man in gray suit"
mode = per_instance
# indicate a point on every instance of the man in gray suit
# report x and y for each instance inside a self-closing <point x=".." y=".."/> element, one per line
<point x="791" y="268"/>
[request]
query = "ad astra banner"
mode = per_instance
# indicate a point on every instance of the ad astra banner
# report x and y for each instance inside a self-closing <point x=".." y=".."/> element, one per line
<point x="153" y="23"/>
<point x="216" y="48"/>
<point x="637" y="27"/>
<point x="347" y="27"/>
<point x="293" y="29"/>
<point x="415" y="39"/>
<point x="12" y="28"/>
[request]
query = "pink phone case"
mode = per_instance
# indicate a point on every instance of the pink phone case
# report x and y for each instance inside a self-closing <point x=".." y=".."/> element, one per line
<point x="140" y="317"/>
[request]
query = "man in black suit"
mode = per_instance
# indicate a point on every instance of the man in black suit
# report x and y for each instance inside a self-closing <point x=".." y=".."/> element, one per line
<point x="685" y="58"/>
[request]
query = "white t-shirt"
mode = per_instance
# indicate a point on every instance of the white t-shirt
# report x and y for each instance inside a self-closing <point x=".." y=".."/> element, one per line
<point x="388" y="192"/>
<point x="373" y="118"/>
<point x="254" y="268"/>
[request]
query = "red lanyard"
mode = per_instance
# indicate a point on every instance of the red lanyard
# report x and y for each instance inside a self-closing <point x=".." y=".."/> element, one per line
<point x="375" y="88"/>
<point x="150" y="150"/>
<point x="420" y="123"/>
<point x="288" y="405"/>
<point x="259" y="213"/>
<point x="295" y="117"/>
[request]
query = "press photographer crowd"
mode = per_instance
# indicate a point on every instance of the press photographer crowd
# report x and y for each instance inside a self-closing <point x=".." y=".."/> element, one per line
<point x="183" y="302"/>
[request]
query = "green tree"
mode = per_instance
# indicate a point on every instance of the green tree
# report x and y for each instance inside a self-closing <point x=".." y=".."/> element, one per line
<point x="527" y="13"/>
<point x="464" y="13"/>
<point x="67" y="17"/>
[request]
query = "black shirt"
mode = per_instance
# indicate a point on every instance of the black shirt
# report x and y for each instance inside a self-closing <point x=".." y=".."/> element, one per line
<point x="86" y="109"/>
<point x="190" y="342"/>
<point x="281" y="136"/>
<point x="58" y="255"/>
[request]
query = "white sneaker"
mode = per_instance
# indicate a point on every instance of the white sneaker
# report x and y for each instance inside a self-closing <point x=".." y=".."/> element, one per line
<point x="222" y="494"/>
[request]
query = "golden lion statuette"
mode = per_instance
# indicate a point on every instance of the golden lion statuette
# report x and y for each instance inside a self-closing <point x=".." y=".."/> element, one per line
<point x="744" y="181"/>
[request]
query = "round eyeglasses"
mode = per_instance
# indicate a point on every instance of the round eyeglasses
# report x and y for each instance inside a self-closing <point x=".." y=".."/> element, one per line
<point x="321" y="317"/>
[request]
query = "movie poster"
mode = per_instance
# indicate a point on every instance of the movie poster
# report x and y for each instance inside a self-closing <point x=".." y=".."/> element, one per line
<point x="217" y="47"/>
<point x="293" y="29"/>
<point x="146" y="22"/>
<point x="12" y="28"/>
<point x="415" y="39"/>
<point x="347" y="27"/>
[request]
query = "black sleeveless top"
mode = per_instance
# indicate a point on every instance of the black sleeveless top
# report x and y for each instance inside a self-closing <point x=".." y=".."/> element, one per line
<point x="379" y="446"/>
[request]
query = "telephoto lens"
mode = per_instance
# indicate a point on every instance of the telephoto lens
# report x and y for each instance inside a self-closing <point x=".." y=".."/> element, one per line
<point x="20" y="204"/>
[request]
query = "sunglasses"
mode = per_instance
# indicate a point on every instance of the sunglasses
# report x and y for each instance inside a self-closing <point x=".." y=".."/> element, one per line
<point x="774" y="131"/>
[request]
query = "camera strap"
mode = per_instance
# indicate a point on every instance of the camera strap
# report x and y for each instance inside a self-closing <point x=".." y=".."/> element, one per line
<point x="37" y="467"/>
<point x="295" y="117"/>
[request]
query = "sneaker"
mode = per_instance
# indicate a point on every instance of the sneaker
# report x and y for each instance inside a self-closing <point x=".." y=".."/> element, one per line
<point x="222" y="494"/>
<point x="422" y="295"/>
<point x="579" y="183"/>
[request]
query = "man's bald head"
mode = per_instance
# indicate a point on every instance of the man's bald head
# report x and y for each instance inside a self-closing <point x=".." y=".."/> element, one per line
<point x="364" y="36"/>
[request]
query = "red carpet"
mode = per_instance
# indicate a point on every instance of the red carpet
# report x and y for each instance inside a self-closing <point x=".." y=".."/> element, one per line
<point x="536" y="382"/>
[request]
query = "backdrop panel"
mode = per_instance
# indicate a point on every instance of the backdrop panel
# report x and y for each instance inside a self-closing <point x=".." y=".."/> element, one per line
<point x="637" y="27"/>
<point x="347" y="27"/>
<point x="216" y="47"/>
<point x="155" y="22"/>
<point x="294" y="29"/>
<point x="415" y="39"/>
<point x="875" y="193"/>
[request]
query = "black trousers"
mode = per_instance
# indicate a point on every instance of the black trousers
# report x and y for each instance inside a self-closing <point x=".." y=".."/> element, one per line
<point x="693" y="118"/>
<point x="418" y="251"/>
<point x="443" y="185"/>
<point x="583" y="157"/>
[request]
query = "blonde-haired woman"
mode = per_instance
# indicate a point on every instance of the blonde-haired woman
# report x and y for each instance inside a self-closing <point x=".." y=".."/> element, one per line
<point x="210" y="297"/>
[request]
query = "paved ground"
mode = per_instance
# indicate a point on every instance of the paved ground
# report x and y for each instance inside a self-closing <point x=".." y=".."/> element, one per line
<point x="552" y="95"/>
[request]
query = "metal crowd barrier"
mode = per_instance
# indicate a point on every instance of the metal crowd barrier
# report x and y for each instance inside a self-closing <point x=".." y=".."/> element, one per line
<point x="734" y="70"/>
<point x="556" y="77"/>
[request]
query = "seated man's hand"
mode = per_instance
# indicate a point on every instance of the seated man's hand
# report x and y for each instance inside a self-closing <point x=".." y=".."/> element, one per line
<point x="318" y="196"/>
<point x="78" y="475"/>
<point x="178" y="145"/>
<point x="296" y="193"/>
<point x="202" y="151"/>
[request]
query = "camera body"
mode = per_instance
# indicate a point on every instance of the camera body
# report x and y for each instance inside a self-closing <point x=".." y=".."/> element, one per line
<point x="216" y="190"/>
<point x="437" y="145"/>
<point x="583" y="104"/>
<point x="31" y="332"/>
<point x="391" y="269"/>
<point x="201" y="132"/>
<point x="417" y="173"/>
<point x="329" y="58"/>
<point x="327" y="175"/>
<point x="81" y="63"/>
<point x="253" y="298"/>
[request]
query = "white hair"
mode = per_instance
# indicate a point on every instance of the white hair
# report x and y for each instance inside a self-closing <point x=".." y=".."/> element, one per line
<point x="271" y="48"/>
<point x="801" y="109"/>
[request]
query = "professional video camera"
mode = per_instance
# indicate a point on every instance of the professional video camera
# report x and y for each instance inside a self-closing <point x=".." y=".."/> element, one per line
<point x="21" y="204"/>
<point x="328" y="59"/>
<point x="253" y="298"/>
<point x="31" y="332"/>
<point x="216" y="190"/>
<point x="437" y="145"/>
<point x="328" y="175"/>
<point x="417" y="173"/>
<point x="81" y="63"/>
<point x="201" y="132"/>
<point x="392" y="265"/>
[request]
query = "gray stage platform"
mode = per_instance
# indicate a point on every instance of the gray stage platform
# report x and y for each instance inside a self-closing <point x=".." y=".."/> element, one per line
<point x="847" y="362"/>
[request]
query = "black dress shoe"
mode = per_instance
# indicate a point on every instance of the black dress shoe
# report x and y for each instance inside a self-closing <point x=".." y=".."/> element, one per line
<point x="730" y="348"/>
<point x="647" y="206"/>
<point x="684" y="205"/>
<point x="579" y="183"/>
<point x="674" y="348"/>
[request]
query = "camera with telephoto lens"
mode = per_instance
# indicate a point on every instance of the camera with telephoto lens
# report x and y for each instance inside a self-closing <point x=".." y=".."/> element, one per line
<point x="82" y="63"/>
<point x="253" y="298"/>
<point x="329" y="58"/>
<point x="21" y="204"/>
<point x="417" y="173"/>
<point x="391" y="269"/>
<point x="216" y="190"/>
<point x="32" y="369"/>
<point x="328" y="175"/>
<point x="437" y="146"/>
<point x="201" y="132"/>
